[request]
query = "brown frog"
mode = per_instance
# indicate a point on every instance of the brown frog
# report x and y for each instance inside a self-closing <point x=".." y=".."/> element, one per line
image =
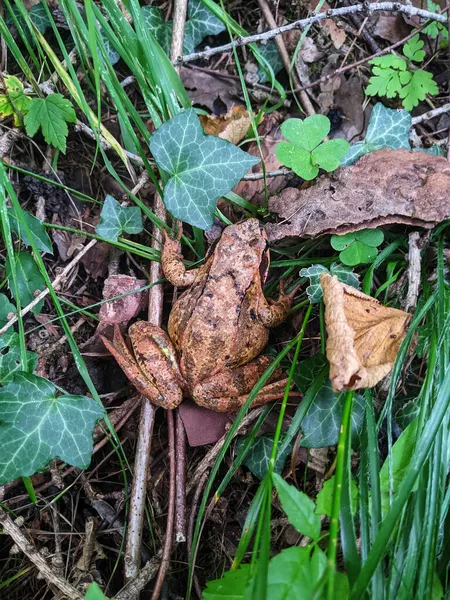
<point x="216" y="330"/>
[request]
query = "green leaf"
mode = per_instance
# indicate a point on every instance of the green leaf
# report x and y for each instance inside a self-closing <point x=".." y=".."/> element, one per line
<point x="52" y="115"/>
<point x="297" y="159"/>
<point x="389" y="61"/>
<point x="345" y="275"/>
<point x="358" y="254"/>
<point x="322" y="421"/>
<point x="154" y="21"/>
<point x="14" y="102"/>
<point x="116" y="219"/>
<point x="112" y="55"/>
<point x="324" y="498"/>
<point x="37" y="426"/>
<point x="294" y="573"/>
<point x="413" y="49"/>
<point x="329" y="154"/>
<point x="306" y="133"/>
<point x="6" y="308"/>
<point x="270" y="52"/>
<point x="202" y="22"/>
<point x="29" y="279"/>
<point x="202" y="168"/>
<point x="314" y="290"/>
<point x="420" y="84"/>
<point x="231" y="586"/>
<point x="40" y="236"/>
<point x="95" y="592"/>
<point x="39" y="17"/>
<point x="307" y="370"/>
<point x="10" y="360"/>
<point x="435" y="28"/>
<point x="341" y="242"/>
<point x="259" y="453"/>
<point x="384" y="82"/>
<point x="298" y="507"/>
<point x="370" y="237"/>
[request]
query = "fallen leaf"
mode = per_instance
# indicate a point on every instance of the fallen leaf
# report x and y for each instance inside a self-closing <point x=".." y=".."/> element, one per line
<point x="383" y="187"/>
<point x="203" y="88"/>
<point x="309" y="51"/>
<point x="350" y="98"/>
<point x="336" y="34"/>
<point x="125" y="308"/>
<point x="328" y="88"/>
<point x="232" y="127"/>
<point x="202" y="426"/>
<point x="391" y="28"/>
<point x="363" y="336"/>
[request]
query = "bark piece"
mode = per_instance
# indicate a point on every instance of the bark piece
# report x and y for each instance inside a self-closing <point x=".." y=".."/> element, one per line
<point x="363" y="336"/>
<point x="383" y="187"/>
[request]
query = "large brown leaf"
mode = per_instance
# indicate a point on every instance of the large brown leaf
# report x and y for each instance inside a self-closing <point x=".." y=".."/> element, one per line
<point x="383" y="187"/>
<point x="363" y="336"/>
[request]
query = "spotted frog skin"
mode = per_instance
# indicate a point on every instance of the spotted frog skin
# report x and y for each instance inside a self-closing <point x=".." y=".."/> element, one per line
<point x="217" y="328"/>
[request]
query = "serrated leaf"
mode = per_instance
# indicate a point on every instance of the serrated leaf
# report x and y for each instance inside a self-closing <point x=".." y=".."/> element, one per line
<point x="420" y="84"/>
<point x="14" y="101"/>
<point x="389" y="61"/>
<point x="202" y="168"/>
<point x="294" y="573"/>
<point x="413" y="49"/>
<point x="231" y="586"/>
<point x="314" y="290"/>
<point x="298" y="507"/>
<point x="29" y="279"/>
<point x="116" y="219"/>
<point x="328" y="155"/>
<point x="341" y="242"/>
<point x="37" y="426"/>
<point x="435" y="28"/>
<point x="10" y="359"/>
<point x="324" y="498"/>
<point x="358" y="254"/>
<point x="258" y="455"/>
<point x="322" y="421"/>
<point x="270" y="52"/>
<point x="297" y="159"/>
<point x="306" y="133"/>
<point x="51" y="114"/>
<point x="384" y="82"/>
<point x="6" y="309"/>
<point x="41" y="238"/>
<point x="370" y="237"/>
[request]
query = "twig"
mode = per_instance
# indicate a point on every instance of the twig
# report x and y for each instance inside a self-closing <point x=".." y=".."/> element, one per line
<point x="365" y="8"/>
<point x="414" y="264"/>
<point x="431" y="114"/>
<point x="22" y="542"/>
<point x="180" y="480"/>
<point x="193" y="512"/>
<point x="132" y="589"/>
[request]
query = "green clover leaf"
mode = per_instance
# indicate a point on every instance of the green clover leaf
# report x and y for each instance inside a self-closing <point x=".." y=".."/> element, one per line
<point x="358" y="247"/>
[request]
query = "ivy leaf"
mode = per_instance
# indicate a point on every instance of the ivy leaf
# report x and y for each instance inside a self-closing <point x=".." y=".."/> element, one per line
<point x="10" y="359"/>
<point x="322" y="421"/>
<point x="52" y="115"/>
<point x="6" y="308"/>
<point x="307" y="370"/>
<point x="298" y="507"/>
<point x="345" y="275"/>
<point x="14" y="101"/>
<point x="115" y="219"/>
<point x="233" y="585"/>
<point x="37" y="426"/>
<point x="324" y="498"/>
<point x="112" y="55"/>
<point x="270" y="53"/>
<point x="314" y="290"/>
<point x="413" y="49"/>
<point x="41" y="238"/>
<point x="38" y="16"/>
<point x="29" y="279"/>
<point x="294" y="573"/>
<point x="162" y="30"/>
<point x="258" y="455"/>
<point x="420" y="84"/>
<point x="202" y="167"/>
<point x="202" y="22"/>
<point x="328" y="155"/>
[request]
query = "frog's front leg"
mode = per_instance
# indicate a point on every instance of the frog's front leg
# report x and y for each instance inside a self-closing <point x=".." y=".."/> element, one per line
<point x="152" y="366"/>
<point x="228" y="390"/>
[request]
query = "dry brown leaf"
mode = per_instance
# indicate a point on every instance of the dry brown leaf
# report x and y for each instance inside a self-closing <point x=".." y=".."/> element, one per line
<point x="204" y="89"/>
<point x="383" y="187"/>
<point x="336" y="34"/>
<point x="363" y="336"/>
<point x="232" y="127"/>
<point x="391" y="28"/>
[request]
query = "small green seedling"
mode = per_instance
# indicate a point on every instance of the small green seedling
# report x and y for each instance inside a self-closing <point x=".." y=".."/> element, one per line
<point x="305" y="151"/>
<point x="359" y="247"/>
<point x="393" y="76"/>
<point x="435" y="29"/>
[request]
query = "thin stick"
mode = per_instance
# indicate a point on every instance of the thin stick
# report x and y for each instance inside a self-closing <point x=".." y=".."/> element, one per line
<point x="180" y="480"/>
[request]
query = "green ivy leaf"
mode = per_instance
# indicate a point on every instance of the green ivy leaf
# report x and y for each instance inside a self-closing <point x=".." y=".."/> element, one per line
<point x="14" y="101"/>
<point x="6" y="308"/>
<point x="202" y="167"/>
<point x="40" y="237"/>
<point x="324" y="498"/>
<point x="259" y="453"/>
<point x="52" y="115"/>
<point x="232" y="585"/>
<point x="10" y="359"/>
<point x="345" y="275"/>
<point x="299" y="508"/>
<point x="295" y="572"/>
<point x="307" y="370"/>
<point x="162" y="30"/>
<point x="413" y="49"/>
<point x="419" y="85"/>
<point x="314" y="290"/>
<point x="37" y="426"/>
<point x="116" y="219"/>
<point x="322" y="421"/>
<point x="112" y="55"/>
<point x="29" y="279"/>
<point x="329" y="154"/>
<point x="270" y="53"/>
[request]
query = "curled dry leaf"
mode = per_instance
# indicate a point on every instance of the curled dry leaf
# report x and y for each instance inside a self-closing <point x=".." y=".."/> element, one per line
<point x="383" y="187"/>
<point x="363" y="336"/>
<point x="232" y="127"/>
<point x="336" y="34"/>
<point x="125" y="308"/>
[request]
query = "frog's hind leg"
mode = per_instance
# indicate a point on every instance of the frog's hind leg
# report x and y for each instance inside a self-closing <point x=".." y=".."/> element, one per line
<point x="228" y="390"/>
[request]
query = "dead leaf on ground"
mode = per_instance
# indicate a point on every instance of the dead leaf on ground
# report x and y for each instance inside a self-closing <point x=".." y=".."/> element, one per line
<point x="270" y="134"/>
<point x="391" y="28"/>
<point x="363" y="336"/>
<point x="122" y="309"/>
<point x="232" y="127"/>
<point x="336" y="34"/>
<point x="203" y="88"/>
<point x="202" y="426"/>
<point x="383" y="187"/>
<point x="350" y="99"/>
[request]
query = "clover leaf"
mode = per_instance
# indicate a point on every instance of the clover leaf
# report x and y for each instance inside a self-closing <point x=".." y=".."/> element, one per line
<point x="359" y="247"/>
<point x="37" y="425"/>
<point x="116" y="219"/>
<point x="305" y="152"/>
<point x="202" y="167"/>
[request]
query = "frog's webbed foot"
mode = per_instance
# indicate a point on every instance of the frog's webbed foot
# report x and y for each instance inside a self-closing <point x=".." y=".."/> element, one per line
<point x="273" y="312"/>
<point x="152" y="369"/>
<point x="228" y="390"/>
<point x="172" y="261"/>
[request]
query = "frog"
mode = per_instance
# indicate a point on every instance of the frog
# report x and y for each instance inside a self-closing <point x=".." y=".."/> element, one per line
<point x="217" y="328"/>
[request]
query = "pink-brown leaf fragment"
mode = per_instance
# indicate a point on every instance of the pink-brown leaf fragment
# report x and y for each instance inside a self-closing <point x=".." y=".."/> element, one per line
<point x="363" y="336"/>
<point x="122" y="309"/>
